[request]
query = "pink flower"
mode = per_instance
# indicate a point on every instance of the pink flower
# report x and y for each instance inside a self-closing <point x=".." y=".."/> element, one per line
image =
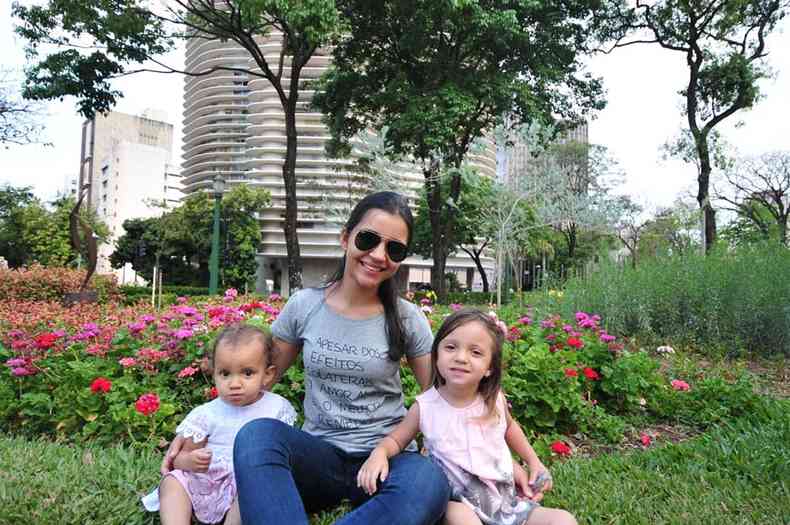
<point x="148" y="318"/>
<point x="188" y="371"/>
<point x="275" y="297"/>
<point x="455" y="307"/>
<point x="147" y="404"/>
<point x="181" y="300"/>
<point x="646" y="440"/>
<point x="525" y="320"/>
<point x="15" y="362"/>
<point x="568" y="328"/>
<point x="136" y="328"/>
<point x="571" y="372"/>
<point x="606" y="338"/>
<point x="560" y="448"/>
<point x="590" y="374"/>
<point x="22" y="371"/>
<point x="126" y="362"/>
<point x="682" y="386"/>
<point x="101" y="385"/>
<point x="183" y="333"/>
<point x="581" y="316"/>
<point x="502" y="326"/>
<point x="425" y="301"/>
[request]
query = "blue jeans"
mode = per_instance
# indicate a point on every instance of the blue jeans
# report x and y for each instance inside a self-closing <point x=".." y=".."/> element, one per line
<point x="283" y="472"/>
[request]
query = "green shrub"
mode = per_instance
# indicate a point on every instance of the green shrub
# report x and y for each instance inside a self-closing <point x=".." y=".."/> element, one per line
<point x="727" y="301"/>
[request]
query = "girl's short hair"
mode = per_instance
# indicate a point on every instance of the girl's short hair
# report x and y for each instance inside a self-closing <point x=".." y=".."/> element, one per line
<point x="242" y="333"/>
<point x="394" y="204"/>
<point x="490" y="385"/>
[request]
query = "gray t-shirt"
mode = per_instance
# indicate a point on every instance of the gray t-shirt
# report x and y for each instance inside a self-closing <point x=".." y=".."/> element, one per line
<point x="353" y="391"/>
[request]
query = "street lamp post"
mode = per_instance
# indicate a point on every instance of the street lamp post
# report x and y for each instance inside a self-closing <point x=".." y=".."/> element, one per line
<point x="213" y="262"/>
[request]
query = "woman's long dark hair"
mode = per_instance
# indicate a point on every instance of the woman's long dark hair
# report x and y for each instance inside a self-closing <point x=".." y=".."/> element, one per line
<point x="395" y="204"/>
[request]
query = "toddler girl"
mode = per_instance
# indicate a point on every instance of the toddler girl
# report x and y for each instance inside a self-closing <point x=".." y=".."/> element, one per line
<point x="464" y="419"/>
<point x="202" y="481"/>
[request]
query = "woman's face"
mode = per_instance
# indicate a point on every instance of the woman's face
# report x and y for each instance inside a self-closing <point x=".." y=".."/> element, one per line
<point x="368" y="269"/>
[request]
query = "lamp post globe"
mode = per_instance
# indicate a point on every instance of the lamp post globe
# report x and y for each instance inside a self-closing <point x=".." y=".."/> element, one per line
<point x="213" y="263"/>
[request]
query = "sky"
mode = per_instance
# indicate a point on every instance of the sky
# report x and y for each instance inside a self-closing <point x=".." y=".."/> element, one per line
<point x="643" y="112"/>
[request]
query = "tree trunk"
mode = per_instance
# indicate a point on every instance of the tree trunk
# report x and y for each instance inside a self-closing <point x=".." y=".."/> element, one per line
<point x="703" y="198"/>
<point x="433" y="190"/>
<point x="289" y="180"/>
<point x="475" y="256"/>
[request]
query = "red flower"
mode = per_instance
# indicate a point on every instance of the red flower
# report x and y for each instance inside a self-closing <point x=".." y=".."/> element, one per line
<point x="147" y="404"/>
<point x="212" y="393"/>
<point x="575" y="342"/>
<point x="571" y="372"/>
<point x="590" y="374"/>
<point x="682" y="386"/>
<point x="101" y="385"/>
<point x="646" y="440"/>
<point x="45" y="341"/>
<point x="561" y="448"/>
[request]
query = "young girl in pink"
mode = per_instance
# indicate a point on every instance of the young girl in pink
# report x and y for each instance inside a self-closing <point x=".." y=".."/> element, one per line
<point x="464" y="420"/>
<point x="202" y="482"/>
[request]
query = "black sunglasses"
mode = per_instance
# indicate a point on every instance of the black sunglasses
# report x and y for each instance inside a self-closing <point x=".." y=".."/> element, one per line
<point x="366" y="240"/>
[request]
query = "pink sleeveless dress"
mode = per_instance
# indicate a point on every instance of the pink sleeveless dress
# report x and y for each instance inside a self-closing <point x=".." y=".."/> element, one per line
<point x="474" y="456"/>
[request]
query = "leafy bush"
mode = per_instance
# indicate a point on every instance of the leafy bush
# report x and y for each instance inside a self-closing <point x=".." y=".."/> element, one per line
<point x="39" y="283"/>
<point x="728" y="301"/>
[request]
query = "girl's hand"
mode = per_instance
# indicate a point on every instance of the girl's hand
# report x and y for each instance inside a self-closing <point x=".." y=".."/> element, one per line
<point x="521" y="480"/>
<point x="540" y="480"/>
<point x="376" y="467"/>
<point x="170" y="455"/>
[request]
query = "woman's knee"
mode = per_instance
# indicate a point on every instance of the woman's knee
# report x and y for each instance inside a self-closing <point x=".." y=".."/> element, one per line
<point x="257" y="438"/>
<point x="427" y="482"/>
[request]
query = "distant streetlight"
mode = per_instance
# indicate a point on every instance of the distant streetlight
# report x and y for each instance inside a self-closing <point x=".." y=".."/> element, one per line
<point x="213" y="262"/>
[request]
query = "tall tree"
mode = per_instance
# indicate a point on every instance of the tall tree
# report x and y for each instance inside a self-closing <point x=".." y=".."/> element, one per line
<point x="724" y="42"/>
<point x="758" y="189"/>
<point x="440" y="74"/>
<point x="105" y="39"/>
<point x="471" y="234"/>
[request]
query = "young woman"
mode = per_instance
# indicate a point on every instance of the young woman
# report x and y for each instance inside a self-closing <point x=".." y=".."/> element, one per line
<point x="352" y="334"/>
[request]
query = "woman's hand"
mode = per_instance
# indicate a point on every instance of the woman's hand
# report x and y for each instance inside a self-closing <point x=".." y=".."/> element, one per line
<point x="196" y="460"/>
<point x="175" y="447"/>
<point x="376" y="467"/>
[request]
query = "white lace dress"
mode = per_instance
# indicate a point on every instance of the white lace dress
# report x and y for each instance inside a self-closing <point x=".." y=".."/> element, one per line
<point x="212" y="492"/>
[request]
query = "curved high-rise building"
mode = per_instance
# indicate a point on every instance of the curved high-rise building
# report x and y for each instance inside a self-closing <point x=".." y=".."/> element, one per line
<point x="234" y="126"/>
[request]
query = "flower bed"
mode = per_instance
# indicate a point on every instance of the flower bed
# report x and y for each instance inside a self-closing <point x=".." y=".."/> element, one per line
<point x="109" y="373"/>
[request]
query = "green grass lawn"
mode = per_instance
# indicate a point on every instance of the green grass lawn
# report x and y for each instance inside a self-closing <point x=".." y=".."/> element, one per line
<point x="739" y="473"/>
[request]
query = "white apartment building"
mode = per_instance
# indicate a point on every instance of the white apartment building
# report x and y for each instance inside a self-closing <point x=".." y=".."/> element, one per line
<point x="125" y="164"/>
<point x="234" y="126"/>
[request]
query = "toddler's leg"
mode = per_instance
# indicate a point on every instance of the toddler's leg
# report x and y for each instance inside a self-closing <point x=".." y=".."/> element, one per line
<point x="547" y="516"/>
<point x="460" y="514"/>
<point x="233" y="517"/>
<point x="175" y="507"/>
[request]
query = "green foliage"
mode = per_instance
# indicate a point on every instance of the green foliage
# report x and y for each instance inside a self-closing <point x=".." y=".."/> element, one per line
<point x="182" y="239"/>
<point x="33" y="232"/>
<point x="733" y="302"/>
